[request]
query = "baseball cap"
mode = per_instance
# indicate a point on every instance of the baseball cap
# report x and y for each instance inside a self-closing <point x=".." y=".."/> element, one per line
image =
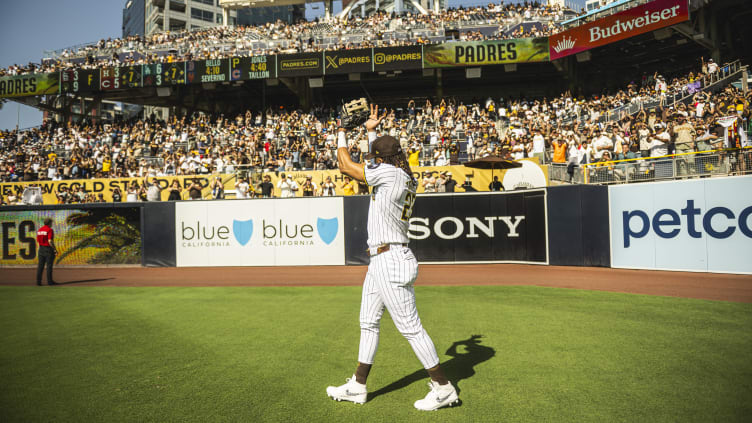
<point x="384" y="146"/>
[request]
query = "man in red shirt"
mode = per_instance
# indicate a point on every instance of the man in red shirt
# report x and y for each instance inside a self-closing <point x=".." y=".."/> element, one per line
<point x="47" y="251"/>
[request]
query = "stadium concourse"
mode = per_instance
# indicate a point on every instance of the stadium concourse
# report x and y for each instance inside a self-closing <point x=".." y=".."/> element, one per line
<point x="640" y="120"/>
<point x="492" y="22"/>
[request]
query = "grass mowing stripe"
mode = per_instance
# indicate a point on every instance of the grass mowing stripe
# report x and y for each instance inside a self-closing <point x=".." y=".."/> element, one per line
<point x="267" y="354"/>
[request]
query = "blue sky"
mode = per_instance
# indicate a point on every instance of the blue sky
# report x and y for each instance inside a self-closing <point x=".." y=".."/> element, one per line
<point x="29" y="27"/>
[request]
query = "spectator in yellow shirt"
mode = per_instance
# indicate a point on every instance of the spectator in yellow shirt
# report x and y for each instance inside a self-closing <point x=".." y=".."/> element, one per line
<point x="412" y="155"/>
<point x="106" y="164"/>
<point x="349" y="187"/>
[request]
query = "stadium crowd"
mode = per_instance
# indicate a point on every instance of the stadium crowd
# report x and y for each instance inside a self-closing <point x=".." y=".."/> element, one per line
<point x="495" y="21"/>
<point x="566" y="129"/>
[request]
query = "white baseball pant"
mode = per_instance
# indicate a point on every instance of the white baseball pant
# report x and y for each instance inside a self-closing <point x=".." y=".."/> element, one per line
<point x="389" y="283"/>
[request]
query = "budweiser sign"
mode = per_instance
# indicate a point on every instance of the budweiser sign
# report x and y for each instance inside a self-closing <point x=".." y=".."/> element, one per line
<point x="638" y="20"/>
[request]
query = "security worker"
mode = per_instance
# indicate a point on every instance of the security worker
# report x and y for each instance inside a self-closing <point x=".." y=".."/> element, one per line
<point x="47" y="251"/>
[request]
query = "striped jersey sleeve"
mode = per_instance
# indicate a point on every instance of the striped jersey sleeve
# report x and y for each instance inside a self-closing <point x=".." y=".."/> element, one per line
<point x="375" y="174"/>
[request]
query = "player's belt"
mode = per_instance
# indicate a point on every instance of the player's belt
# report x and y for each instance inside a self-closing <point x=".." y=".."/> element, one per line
<point x="383" y="248"/>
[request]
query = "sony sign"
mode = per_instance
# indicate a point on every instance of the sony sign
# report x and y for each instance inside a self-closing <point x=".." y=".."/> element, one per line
<point x="499" y="227"/>
<point x="450" y="227"/>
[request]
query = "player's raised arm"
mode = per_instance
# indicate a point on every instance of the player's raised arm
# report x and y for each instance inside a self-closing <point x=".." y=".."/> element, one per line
<point x="345" y="163"/>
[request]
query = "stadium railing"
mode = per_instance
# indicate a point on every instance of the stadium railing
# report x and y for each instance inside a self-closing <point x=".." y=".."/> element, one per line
<point x="677" y="166"/>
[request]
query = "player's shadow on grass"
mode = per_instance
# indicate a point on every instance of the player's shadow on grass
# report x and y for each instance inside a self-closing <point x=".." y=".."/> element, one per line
<point x="459" y="367"/>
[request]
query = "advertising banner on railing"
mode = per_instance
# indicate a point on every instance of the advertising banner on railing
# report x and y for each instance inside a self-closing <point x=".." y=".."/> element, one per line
<point x="106" y="187"/>
<point x="703" y="225"/>
<point x="530" y="175"/>
<point x="281" y="232"/>
<point x="478" y="53"/>
<point x="303" y="64"/>
<point x="101" y="235"/>
<point x="29" y="85"/>
<point x="397" y="58"/>
<point x="348" y="61"/>
<point x="619" y="26"/>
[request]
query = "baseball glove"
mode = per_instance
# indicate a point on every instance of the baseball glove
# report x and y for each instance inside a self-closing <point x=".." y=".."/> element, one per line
<point x="354" y="113"/>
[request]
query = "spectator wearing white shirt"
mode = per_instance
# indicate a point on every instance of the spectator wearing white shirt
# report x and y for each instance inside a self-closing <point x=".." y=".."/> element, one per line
<point x="539" y="146"/>
<point x="659" y="141"/>
<point x="242" y="188"/>
<point x="600" y="144"/>
<point x="287" y="186"/>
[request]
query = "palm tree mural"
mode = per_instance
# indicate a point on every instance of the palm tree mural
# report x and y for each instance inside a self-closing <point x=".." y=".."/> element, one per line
<point x="113" y="236"/>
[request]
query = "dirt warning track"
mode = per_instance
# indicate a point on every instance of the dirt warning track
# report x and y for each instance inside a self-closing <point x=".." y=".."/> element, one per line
<point x="710" y="286"/>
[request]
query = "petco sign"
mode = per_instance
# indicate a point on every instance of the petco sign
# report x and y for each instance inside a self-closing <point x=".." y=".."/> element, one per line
<point x="260" y="232"/>
<point x="619" y="26"/>
<point x="701" y="225"/>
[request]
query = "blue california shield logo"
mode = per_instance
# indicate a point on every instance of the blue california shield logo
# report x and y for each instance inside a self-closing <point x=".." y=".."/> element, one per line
<point x="242" y="230"/>
<point x="327" y="229"/>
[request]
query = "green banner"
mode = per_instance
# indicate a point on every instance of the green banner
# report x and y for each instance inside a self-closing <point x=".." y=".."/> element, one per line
<point x="479" y="53"/>
<point x="29" y="85"/>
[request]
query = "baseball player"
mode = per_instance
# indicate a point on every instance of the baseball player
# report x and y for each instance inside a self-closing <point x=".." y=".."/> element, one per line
<point x="393" y="267"/>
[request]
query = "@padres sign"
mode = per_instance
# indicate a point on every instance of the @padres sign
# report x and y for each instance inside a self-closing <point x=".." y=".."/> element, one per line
<point x="287" y="232"/>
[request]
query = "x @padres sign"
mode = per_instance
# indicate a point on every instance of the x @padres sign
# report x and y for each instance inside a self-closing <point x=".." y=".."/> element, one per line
<point x="348" y="61"/>
<point x="284" y="232"/>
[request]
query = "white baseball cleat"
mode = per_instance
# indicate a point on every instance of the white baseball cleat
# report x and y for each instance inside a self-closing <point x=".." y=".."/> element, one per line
<point x="440" y="396"/>
<point x="350" y="391"/>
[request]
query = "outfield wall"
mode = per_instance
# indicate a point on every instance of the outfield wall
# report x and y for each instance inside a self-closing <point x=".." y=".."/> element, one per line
<point x="509" y="227"/>
<point x="702" y="225"/>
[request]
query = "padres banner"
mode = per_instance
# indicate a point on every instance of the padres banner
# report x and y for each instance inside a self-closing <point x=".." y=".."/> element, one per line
<point x="29" y="85"/>
<point x="479" y="53"/>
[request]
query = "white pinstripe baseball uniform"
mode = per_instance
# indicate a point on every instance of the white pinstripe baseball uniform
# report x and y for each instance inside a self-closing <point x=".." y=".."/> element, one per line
<point x="390" y="277"/>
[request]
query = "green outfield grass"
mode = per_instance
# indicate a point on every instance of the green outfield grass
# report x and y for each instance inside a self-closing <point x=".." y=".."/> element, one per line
<point x="267" y="354"/>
